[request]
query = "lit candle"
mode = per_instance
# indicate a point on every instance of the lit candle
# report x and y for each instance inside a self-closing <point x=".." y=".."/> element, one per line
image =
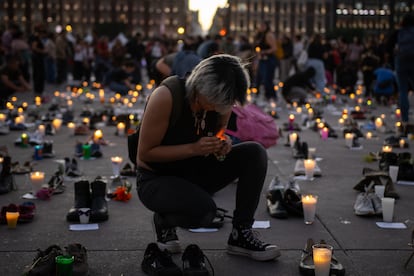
<point x="2" y="117"/>
<point x="101" y="95"/>
<point x="398" y="127"/>
<point x="98" y="134"/>
<point x="12" y="218"/>
<point x="292" y="139"/>
<point x="368" y="135"/>
<point x="37" y="179"/>
<point x="378" y="123"/>
<point x="402" y="143"/>
<point x="387" y="148"/>
<point x="398" y="113"/>
<point x="120" y="128"/>
<point x="42" y="129"/>
<point x="309" y="168"/>
<point x="322" y="254"/>
<point x="19" y="119"/>
<point x="291" y="118"/>
<point x="324" y="133"/>
<point x="86" y="121"/>
<point x="116" y="164"/>
<point x="341" y="122"/>
<point x="309" y="208"/>
<point x="25" y="139"/>
<point x="57" y="123"/>
<point x="299" y="110"/>
<point x="348" y="139"/>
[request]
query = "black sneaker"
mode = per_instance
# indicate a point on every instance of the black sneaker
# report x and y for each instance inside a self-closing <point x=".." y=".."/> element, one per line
<point x="157" y="262"/>
<point x="80" y="264"/>
<point x="166" y="237"/>
<point x="194" y="261"/>
<point x="244" y="241"/>
<point x="275" y="206"/>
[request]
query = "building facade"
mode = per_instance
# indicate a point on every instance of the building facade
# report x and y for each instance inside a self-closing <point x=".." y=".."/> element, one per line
<point x="159" y="17"/>
<point x="315" y="16"/>
<point x="151" y="17"/>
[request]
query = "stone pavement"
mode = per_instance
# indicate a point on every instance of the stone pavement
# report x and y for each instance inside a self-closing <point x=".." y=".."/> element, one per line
<point x="118" y="246"/>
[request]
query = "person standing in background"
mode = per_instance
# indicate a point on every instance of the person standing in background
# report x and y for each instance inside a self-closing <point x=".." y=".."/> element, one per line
<point x="266" y="49"/>
<point x="404" y="64"/>
<point x="38" y="59"/>
<point x="61" y="57"/>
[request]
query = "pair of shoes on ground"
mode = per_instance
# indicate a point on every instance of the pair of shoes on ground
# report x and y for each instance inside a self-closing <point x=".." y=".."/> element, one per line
<point x="16" y="168"/>
<point x="300" y="169"/>
<point x="160" y="262"/>
<point x="242" y="241"/>
<point x="282" y="201"/>
<point x="44" y="262"/>
<point x="26" y="212"/>
<point x="307" y="266"/>
<point x="300" y="150"/>
<point x="90" y="195"/>
<point x="71" y="167"/>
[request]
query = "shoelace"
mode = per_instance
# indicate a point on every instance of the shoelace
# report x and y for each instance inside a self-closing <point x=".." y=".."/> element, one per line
<point x="252" y="237"/>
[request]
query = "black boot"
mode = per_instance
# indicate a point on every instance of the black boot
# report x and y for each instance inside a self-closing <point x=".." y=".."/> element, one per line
<point x="388" y="159"/>
<point x="82" y="200"/>
<point x="99" y="206"/>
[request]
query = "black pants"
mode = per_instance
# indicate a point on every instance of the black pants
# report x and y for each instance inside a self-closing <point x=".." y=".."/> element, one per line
<point x="186" y="200"/>
<point x="39" y="75"/>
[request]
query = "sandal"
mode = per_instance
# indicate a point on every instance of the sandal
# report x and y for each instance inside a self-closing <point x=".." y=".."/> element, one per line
<point x="307" y="267"/>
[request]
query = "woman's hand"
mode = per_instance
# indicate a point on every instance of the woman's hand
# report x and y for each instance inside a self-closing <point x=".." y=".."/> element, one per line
<point x="208" y="145"/>
<point x="226" y="145"/>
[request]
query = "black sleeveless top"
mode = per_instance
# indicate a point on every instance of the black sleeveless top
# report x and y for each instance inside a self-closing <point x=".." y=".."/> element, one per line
<point x="184" y="131"/>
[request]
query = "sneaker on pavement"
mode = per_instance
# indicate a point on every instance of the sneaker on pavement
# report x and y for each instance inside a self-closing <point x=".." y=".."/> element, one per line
<point x="166" y="237"/>
<point x="244" y="241"/>
<point x="194" y="261"/>
<point x="275" y="204"/>
<point x="157" y="262"/>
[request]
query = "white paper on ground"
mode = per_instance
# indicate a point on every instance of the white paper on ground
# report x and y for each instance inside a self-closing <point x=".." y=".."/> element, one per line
<point x="29" y="196"/>
<point x="84" y="227"/>
<point x="402" y="182"/>
<point x="203" y="230"/>
<point x="391" y="225"/>
<point x="261" y="224"/>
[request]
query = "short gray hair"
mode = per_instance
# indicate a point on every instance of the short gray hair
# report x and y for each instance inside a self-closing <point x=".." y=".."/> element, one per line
<point x="222" y="79"/>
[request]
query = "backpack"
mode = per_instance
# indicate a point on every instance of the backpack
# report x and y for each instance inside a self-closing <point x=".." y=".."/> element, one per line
<point x="176" y="86"/>
<point x="406" y="42"/>
<point x="252" y="124"/>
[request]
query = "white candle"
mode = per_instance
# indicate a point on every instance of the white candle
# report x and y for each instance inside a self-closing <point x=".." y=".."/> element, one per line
<point x="309" y="208"/>
<point x="57" y="123"/>
<point x="309" y="167"/>
<point x="116" y="164"/>
<point x="378" y="123"/>
<point x="2" y="117"/>
<point x="402" y="143"/>
<point x="369" y="135"/>
<point x="348" y="139"/>
<point x="387" y="148"/>
<point x="322" y="255"/>
<point x="98" y="134"/>
<point x="37" y="179"/>
<point x="292" y="139"/>
<point x="41" y="129"/>
<point x="120" y="128"/>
